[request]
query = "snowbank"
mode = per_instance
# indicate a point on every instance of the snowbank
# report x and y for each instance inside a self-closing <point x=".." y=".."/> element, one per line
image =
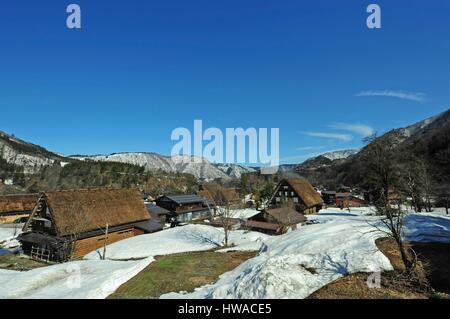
<point x="95" y="278"/>
<point x="293" y="265"/>
<point x="79" y="279"/>
<point x="296" y="264"/>
<point x="178" y="240"/>
<point x="8" y="233"/>
<point x="427" y="227"/>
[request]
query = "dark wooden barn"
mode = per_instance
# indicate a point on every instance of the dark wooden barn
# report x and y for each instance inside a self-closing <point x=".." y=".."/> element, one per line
<point x="298" y="194"/>
<point x="329" y="197"/>
<point x="69" y="224"/>
<point x="185" y="207"/>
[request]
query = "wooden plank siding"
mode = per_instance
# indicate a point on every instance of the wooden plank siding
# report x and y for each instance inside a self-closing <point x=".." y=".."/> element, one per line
<point x="85" y="246"/>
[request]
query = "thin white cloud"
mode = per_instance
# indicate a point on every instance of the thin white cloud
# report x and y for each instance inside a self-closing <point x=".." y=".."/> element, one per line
<point x="309" y="148"/>
<point x="411" y="96"/>
<point x="361" y="129"/>
<point x="334" y="136"/>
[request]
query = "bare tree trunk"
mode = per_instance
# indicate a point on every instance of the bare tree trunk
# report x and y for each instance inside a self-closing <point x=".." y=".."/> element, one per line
<point x="105" y="242"/>
<point x="226" y="231"/>
<point x="446" y="205"/>
<point x="409" y="265"/>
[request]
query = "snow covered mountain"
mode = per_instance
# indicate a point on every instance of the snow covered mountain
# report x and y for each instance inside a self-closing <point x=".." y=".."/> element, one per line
<point x="336" y="155"/>
<point x="29" y="156"/>
<point x="201" y="169"/>
<point x="327" y="159"/>
<point x="32" y="158"/>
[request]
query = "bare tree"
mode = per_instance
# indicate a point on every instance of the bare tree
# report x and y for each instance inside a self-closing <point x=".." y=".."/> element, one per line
<point x="426" y="183"/>
<point x="418" y="183"/>
<point x="443" y="196"/>
<point x="411" y="186"/>
<point x="224" y="213"/>
<point x="384" y="174"/>
<point x="393" y="220"/>
<point x="381" y="165"/>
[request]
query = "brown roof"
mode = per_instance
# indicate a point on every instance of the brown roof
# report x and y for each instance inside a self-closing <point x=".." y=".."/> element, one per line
<point x="209" y="191"/>
<point x="286" y="215"/>
<point x="79" y="211"/>
<point x="262" y="225"/>
<point x="18" y="203"/>
<point x="306" y="192"/>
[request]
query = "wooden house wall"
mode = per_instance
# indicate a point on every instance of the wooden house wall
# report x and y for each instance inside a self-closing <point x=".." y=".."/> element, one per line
<point x="286" y="195"/>
<point x="87" y="245"/>
<point x="188" y="207"/>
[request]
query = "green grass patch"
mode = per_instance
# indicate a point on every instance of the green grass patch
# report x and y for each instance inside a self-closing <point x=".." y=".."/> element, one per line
<point x="180" y="272"/>
<point x="20" y="263"/>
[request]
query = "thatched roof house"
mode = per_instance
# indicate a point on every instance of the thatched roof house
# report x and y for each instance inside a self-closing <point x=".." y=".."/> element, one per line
<point x="276" y="221"/>
<point x="215" y="192"/>
<point x="13" y="207"/>
<point x="297" y="193"/>
<point x="72" y="223"/>
<point x="285" y="216"/>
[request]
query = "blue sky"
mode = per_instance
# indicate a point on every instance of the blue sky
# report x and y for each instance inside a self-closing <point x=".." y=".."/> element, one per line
<point x="139" y="69"/>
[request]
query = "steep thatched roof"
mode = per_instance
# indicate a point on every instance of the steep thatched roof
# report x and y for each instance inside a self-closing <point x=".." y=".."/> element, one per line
<point x="305" y="191"/>
<point x="18" y="203"/>
<point x="211" y="190"/>
<point x="79" y="211"/>
<point x="286" y="216"/>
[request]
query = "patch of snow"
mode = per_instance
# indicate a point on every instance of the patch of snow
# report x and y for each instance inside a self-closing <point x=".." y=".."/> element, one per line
<point x="79" y="279"/>
<point x="339" y="154"/>
<point x="427" y="227"/>
<point x="178" y="240"/>
<point x="244" y="213"/>
<point x="341" y="244"/>
<point x="8" y="233"/>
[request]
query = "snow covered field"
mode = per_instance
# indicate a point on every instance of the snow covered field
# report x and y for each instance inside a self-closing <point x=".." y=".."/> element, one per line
<point x="75" y="280"/>
<point x="427" y="227"/>
<point x="178" y="240"/>
<point x="298" y="263"/>
<point x="94" y="278"/>
<point x="289" y="266"/>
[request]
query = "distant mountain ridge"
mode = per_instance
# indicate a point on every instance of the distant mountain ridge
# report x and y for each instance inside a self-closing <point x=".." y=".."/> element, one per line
<point x="327" y="159"/>
<point x="27" y="155"/>
<point x="426" y="137"/>
<point x="200" y="168"/>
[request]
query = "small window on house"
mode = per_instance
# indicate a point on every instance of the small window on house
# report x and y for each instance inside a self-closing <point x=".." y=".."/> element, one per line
<point x="281" y="193"/>
<point x="285" y="187"/>
<point x="295" y="199"/>
<point x="278" y="199"/>
<point x="292" y="194"/>
<point x="286" y="194"/>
